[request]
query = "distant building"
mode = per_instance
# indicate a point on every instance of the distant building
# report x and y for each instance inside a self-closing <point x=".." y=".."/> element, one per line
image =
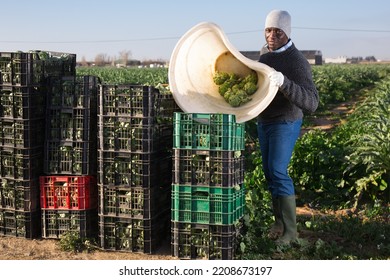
<point x="254" y="55"/>
<point x="313" y="57"/>
<point x="338" y="60"/>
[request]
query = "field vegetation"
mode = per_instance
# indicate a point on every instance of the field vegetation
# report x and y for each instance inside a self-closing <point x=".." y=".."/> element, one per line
<point x="342" y="174"/>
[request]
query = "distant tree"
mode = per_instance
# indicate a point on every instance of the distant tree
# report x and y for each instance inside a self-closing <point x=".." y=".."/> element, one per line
<point x="101" y="59"/>
<point x="113" y="60"/>
<point x="124" y="56"/>
<point x="83" y="61"/>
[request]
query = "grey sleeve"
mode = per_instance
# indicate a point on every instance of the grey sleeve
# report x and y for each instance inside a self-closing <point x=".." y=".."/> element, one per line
<point x="302" y="91"/>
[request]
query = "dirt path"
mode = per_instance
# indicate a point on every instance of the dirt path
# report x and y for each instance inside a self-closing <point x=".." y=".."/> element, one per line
<point x="334" y="116"/>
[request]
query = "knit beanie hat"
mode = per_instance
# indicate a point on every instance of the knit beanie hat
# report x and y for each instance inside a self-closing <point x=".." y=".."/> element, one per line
<point x="279" y="19"/>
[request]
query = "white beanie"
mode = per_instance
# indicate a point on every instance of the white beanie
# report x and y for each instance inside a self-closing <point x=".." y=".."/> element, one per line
<point x="279" y="19"/>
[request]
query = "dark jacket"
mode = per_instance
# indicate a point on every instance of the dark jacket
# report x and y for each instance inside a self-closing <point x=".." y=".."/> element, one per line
<point x="298" y="93"/>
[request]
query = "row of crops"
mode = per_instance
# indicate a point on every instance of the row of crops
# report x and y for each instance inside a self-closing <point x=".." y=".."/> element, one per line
<point x="334" y="82"/>
<point x="352" y="160"/>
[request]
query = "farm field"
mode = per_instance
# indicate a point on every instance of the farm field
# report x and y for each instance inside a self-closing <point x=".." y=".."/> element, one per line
<point x="341" y="179"/>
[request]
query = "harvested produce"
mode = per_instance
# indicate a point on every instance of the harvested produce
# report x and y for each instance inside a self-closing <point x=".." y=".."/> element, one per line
<point x="234" y="89"/>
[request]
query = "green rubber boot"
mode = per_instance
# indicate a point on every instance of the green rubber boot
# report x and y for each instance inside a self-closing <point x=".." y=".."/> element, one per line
<point x="288" y="212"/>
<point x="276" y="229"/>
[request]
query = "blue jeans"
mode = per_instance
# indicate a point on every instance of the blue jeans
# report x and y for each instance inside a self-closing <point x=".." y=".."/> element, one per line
<point x="277" y="141"/>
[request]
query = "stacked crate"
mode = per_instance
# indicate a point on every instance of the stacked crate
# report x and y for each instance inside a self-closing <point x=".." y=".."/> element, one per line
<point x="68" y="189"/>
<point x="23" y="77"/>
<point x="135" y="131"/>
<point x="208" y="193"/>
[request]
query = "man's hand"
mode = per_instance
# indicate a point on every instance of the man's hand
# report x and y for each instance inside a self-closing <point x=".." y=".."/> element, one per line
<point x="276" y="78"/>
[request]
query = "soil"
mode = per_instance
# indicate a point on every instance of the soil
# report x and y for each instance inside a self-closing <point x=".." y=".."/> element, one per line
<point x="333" y="117"/>
<point x="16" y="248"/>
<point x="13" y="248"/>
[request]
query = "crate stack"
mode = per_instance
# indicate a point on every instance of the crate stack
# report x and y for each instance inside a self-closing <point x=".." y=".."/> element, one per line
<point x="208" y="193"/>
<point x="23" y="77"/>
<point x="135" y="132"/>
<point x="68" y="189"/>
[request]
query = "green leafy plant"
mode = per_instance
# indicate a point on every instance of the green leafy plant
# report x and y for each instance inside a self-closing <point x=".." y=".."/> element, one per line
<point x="369" y="160"/>
<point x="72" y="242"/>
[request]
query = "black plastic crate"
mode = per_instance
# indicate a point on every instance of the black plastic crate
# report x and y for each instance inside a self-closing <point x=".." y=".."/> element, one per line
<point x="129" y="134"/>
<point x="23" y="224"/>
<point x="21" y="164"/>
<point x="134" y="169"/>
<point x="22" y="133"/>
<point x="20" y="195"/>
<point x="22" y="102"/>
<point x="32" y="68"/>
<point x="71" y="125"/>
<point x="70" y="157"/>
<point x="168" y="106"/>
<point x="73" y="92"/>
<point x="57" y="223"/>
<point x="134" y="202"/>
<point x="133" y="235"/>
<point x="208" y="167"/>
<point x="135" y="101"/>
<point x="19" y="68"/>
<point x="199" y="241"/>
<point x="57" y="63"/>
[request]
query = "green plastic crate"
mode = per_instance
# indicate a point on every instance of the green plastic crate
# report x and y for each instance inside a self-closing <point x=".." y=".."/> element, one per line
<point x="208" y="132"/>
<point x="207" y="205"/>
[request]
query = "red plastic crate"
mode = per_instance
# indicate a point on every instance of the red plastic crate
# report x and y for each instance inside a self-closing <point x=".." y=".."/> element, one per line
<point x="68" y="192"/>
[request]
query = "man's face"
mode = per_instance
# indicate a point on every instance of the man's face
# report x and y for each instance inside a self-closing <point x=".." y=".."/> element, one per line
<point x="275" y="38"/>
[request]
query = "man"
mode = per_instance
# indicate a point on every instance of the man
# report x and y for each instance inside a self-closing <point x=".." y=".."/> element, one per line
<point x="280" y="123"/>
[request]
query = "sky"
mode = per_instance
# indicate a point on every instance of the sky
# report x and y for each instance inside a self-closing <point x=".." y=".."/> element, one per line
<point x="150" y="29"/>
